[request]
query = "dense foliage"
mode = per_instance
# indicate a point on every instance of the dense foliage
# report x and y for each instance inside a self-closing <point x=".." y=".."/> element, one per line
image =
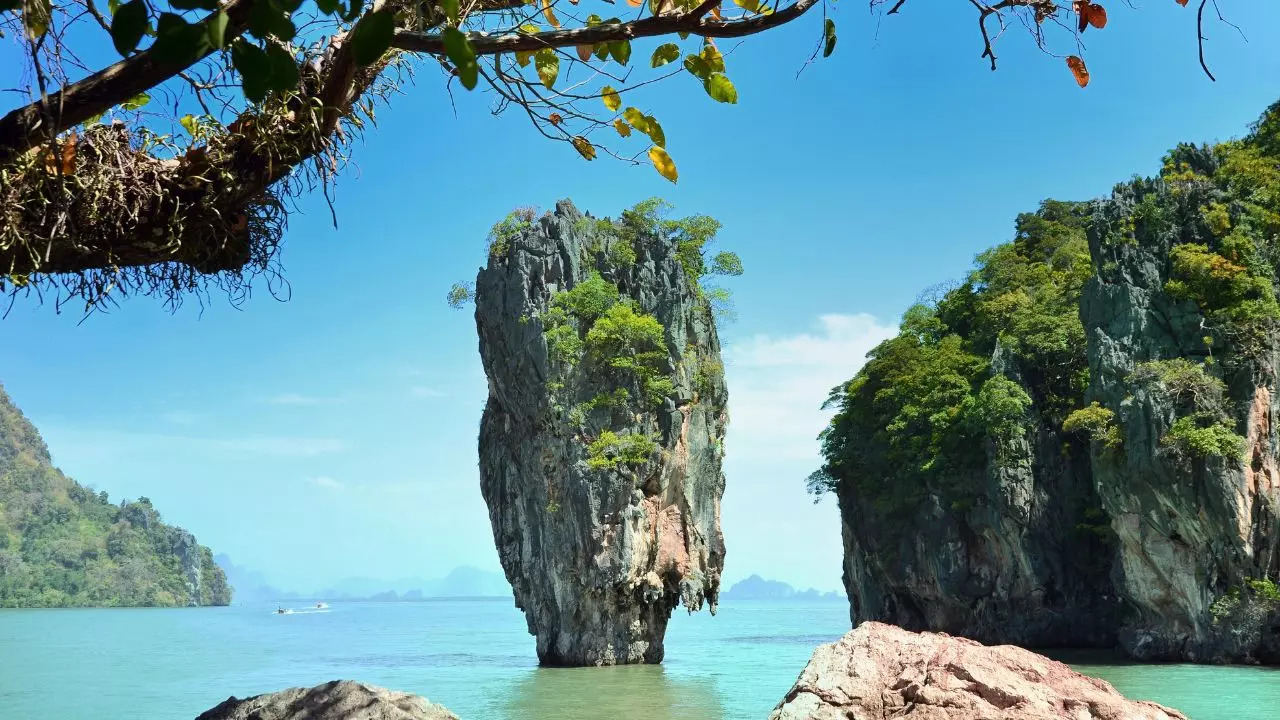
<point x="63" y="545"/>
<point x="920" y="415"/>
<point x="971" y="368"/>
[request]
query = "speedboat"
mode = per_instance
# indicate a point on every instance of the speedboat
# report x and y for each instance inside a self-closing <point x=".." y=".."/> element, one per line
<point x="321" y="606"/>
<point x="282" y="611"/>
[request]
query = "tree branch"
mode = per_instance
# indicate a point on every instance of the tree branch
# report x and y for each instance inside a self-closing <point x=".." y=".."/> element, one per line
<point x="28" y="126"/>
<point x="691" y="22"/>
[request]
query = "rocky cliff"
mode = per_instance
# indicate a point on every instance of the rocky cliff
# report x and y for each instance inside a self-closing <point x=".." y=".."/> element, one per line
<point x="601" y="441"/>
<point x="63" y="545"/>
<point x="1077" y="445"/>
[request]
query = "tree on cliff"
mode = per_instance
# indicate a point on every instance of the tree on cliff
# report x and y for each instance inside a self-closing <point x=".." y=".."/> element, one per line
<point x="220" y="112"/>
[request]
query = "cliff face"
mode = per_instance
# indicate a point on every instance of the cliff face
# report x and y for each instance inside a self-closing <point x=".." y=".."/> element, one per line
<point x="1192" y="528"/>
<point x="1055" y="456"/>
<point x="601" y="441"/>
<point x="964" y="507"/>
<point x="63" y="545"/>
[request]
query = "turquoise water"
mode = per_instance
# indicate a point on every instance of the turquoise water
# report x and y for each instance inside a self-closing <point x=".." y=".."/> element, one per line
<point x="473" y="656"/>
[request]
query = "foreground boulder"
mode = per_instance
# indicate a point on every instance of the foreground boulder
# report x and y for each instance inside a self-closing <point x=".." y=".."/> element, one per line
<point x="601" y="441"/>
<point x="878" y="671"/>
<point x="336" y="700"/>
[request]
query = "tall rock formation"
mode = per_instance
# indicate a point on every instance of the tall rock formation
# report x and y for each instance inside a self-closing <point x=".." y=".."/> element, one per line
<point x="602" y="438"/>
<point x="1078" y="445"/>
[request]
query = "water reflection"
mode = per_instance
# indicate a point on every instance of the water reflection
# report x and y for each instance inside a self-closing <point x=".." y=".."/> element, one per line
<point x="634" y="692"/>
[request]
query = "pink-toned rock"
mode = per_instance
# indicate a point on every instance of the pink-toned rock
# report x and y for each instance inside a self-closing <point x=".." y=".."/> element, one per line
<point x="881" y="671"/>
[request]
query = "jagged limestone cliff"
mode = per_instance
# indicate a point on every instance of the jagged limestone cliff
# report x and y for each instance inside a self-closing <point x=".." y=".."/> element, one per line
<point x="601" y="440"/>
<point x="1078" y="445"/>
<point x="63" y="545"/>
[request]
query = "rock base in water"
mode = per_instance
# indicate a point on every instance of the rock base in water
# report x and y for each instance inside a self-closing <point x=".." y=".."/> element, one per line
<point x="879" y="671"/>
<point x="336" y="700"/>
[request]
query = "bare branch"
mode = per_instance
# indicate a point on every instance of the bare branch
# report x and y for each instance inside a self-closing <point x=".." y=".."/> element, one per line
<point x="690" y="22"/>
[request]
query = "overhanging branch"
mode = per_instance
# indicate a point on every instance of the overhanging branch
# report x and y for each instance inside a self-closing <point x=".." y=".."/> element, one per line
<point x="28" y="126"/>
<point x="693" y="22"/>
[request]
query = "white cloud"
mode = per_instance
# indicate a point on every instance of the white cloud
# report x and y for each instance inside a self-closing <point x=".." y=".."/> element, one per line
<point x="777" y="384"/>
<point x="326" y="482"/>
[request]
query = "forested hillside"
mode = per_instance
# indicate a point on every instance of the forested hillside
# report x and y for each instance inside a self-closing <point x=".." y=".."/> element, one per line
<point x="63" y="545"/>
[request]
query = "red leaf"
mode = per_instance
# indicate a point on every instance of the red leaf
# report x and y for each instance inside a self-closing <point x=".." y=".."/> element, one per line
<point x="1078" y="69"/>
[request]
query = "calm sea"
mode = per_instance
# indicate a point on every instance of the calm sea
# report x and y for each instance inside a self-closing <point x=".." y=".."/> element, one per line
<point x="473" y="656"/>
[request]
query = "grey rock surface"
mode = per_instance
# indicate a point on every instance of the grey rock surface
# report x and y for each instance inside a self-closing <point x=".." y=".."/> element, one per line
<point x="598" y="557"/>
<point x="336" y="700"/>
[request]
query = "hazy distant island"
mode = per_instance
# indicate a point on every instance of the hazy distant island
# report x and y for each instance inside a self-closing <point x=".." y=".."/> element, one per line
<point x="64" y="545"/>
<point x="757" y="588"/>
<point x="461" y="582"/>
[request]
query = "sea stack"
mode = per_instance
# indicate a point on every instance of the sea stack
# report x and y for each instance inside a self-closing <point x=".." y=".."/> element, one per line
<point x="602" y="438"/>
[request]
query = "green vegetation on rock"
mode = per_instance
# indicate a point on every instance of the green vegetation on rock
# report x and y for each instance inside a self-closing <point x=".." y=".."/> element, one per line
<point x="921" y="413"/>
<point x="63" y="545"/>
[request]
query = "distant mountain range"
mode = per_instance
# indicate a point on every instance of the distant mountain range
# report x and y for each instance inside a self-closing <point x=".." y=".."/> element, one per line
<point x="464" y="581"/>
<point x="757" y="588"/>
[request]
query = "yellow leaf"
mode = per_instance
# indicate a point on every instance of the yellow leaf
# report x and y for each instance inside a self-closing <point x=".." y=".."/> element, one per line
<point x="523" y="57"/>
<point x="635" y="3"/>
<point x="551" y="16"/>
<point x="663" y="163"/>
<point x="584" y="147"/>
<point x="623" y="129"/>
<point x="610" y="97"/>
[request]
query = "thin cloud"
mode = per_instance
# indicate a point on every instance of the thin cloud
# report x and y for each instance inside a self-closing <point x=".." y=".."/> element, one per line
<point x="109" y="445"/>
<point x="421" y="391"/>
<point x="777" y="384"/>
<point x="326" y="482"/>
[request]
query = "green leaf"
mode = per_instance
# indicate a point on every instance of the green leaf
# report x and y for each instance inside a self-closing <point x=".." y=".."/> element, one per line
<point x="267" y="19"/>
<point x="654" y="132"/>
<point x="755" y="6"/>
<point x="697" y="67"/>
<point x="548" y="64"/>
<point x="357" y="7"/>
<point x="178" y="42"/>
<point x="721" y="89"/>
<point x="602" y="51"/>
<point x="189" y="124"/>
<point x="621" y="51"/>
<point x="36" y="16"/>
<point x="254" y="67"/>
<point x="711" y="54"/>
<point x="112" y="6"/>
<point x="329" y="7"/>
<point x="611" y="98"/>
<point x="683" y="35"/>
<point x="458" y="48"/>
<point x="593" y="20"/>
<point x="128" y="25"/>
<point x="216" y="28"/>
<point x="636" y="119"/>
<point x="284" y="68"/>
<point x="135" y="102"/>
<point x="194" y="4"/>
<point x="829" y="33"/>
<point x="93" y="118"/>
<point x="665" y="54"/>
<point x="450" y="8"/>
<point x="372" y="36"/>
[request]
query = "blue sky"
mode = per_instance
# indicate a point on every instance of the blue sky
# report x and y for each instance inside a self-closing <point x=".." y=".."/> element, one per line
<point x="334" y="435"/>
